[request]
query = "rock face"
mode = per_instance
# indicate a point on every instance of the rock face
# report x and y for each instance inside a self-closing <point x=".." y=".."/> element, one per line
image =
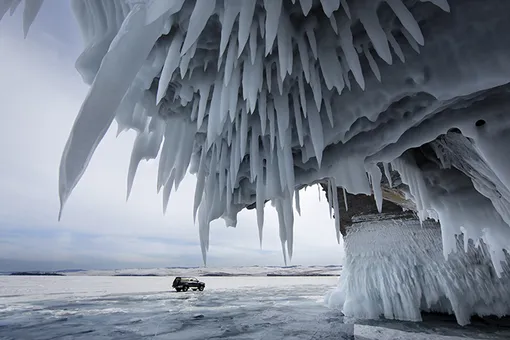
<point x="353" y="207"/>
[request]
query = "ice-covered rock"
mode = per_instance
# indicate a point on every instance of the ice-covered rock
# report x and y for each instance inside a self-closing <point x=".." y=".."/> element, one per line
<point x="395" y="268"/>
<point x="261" y="98"/>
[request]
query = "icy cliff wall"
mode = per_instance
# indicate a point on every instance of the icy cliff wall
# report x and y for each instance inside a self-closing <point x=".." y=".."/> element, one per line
<point x="259" y="98"/>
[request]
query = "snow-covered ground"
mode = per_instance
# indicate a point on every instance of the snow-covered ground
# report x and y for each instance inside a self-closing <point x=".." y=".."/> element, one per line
<point x="84" y="307"/>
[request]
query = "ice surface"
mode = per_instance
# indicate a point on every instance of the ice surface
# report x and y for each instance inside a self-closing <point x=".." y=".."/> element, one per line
<point x="235" y="308"/>
<point x="263" y="98"/>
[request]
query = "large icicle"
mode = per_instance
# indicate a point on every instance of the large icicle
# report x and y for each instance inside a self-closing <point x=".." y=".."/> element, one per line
<point x="201" y="13"/>
<point x="133" y="42"/>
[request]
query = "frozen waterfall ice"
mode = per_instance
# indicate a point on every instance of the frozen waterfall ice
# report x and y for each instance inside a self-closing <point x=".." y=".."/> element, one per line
<point x="260" y="98"/>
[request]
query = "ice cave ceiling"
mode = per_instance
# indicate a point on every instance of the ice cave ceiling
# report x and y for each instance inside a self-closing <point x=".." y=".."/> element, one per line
<point x="259" y="98"/>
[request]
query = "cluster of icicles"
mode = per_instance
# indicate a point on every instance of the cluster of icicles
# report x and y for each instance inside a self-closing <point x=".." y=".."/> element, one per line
<point x="238" y="91"/>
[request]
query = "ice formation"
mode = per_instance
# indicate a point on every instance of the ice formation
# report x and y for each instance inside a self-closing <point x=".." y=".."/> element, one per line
<point x="407" y="274"/>
<point x="260" y="98"/>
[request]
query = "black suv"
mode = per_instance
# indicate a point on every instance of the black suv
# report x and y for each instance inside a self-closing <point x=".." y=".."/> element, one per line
<point x="185" y="283"/>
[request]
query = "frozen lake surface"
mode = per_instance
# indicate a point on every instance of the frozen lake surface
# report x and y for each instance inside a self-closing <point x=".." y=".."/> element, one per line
<point x="82" y="307"/>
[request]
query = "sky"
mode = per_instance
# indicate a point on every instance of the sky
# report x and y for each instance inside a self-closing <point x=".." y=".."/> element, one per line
<point x="40" y="95"/>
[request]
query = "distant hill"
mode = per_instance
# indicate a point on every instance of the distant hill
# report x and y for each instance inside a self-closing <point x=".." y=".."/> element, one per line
<point x="329" y="270"/>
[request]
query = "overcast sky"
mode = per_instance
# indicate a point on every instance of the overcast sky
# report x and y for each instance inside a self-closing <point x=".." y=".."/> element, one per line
<point x="40" y="95"/>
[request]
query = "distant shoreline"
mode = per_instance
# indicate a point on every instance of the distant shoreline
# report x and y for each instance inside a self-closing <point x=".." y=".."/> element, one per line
<point x="156" y="275"/>
<point x="35" y="274"/>
<point x="248" y="271"/>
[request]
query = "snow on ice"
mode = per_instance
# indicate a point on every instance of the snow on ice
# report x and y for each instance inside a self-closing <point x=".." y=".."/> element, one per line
<point x="259" y="99"/>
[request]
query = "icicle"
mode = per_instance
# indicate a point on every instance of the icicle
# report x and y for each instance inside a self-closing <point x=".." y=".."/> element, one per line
<point x="330" y="66"/>
<point x="346" y="41"/>
<point x="230" y="61"/>
<point x="259" y="199"/>
<point x="253" y="42"/>
<point x="204" y="89"/>
<point x="232" y="10"/>
<point x="272" y="124"/>
<point x="345" y="200"/>
<point x="329" y="110"/>
<point x="306" y="6"/>
<point x="345" y="6"/>
<point x="118" y="69"/>
<point x="203" y="231"/>
<point x="288" y="163"/>
<point x="171" y="63"/>
<point x="370" y="21"/>
<point x="443" y="4"/>
<point x="334" y="25"/>
<point x="245" y="20"/>
<point x="319" y="188"/>
<point x="375" y="177"/>
<point x="329" y="6"/>
<point x="372" y="63"/>
<point x="411" y="40"/>
<point x="185" y="152"/>
<point x="387" y="173"/>
<point x="243" y="134"/>
<point x="30" y="11"/>
<point x="330" y="198"/>
<point x="311" y="39"/>
<point x="396" y="46"/>
<point x="269" y="78"/>
<point x="297" y="201"/>
<point x="13" y="5"/>
<point x="167" y="189"/>
<point x="336" y="209"/>
<point x="201" y="13"/>
<point x="273" y="11"/>
<point x="262" y="110"/>
<point x="4" y="7"/>
<point x="282" y="229"/>
<point x="234" y="93"/>
<point x="316" y="131"/>
<point x="407" y="19"/>
<point x="303" y="54"/>
<point x="297" y="118"/>
<point x="288" y="217"/>
<point x="285" y="55"/>
<point x="199" y="188"/>
<point x="316" y="85"/>
<point x="281" y="104"/>
<point x="186" y="59"/>
<point x="302" y="94"/>
<point x="136" y="156"/>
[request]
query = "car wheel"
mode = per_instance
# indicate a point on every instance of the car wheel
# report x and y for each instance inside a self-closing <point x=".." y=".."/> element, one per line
<point x="178" y="289"/>
<point x="185" y="288"/>
<point x="201" y="288"/>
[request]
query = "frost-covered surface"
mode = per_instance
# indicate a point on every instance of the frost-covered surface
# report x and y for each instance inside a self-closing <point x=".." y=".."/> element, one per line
<point x="222" y="271"/>
<point x="43" y="308"/>
<point x="396" y="269"/>
<point x="262" y="97"/>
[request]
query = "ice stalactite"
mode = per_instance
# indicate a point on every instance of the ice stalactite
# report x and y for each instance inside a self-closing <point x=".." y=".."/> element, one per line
<point x="261" y="98"/>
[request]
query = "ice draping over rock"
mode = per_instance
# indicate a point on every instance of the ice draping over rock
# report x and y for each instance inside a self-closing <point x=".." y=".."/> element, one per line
<point x="395" y="268"/>
<point x="261" y="98"/>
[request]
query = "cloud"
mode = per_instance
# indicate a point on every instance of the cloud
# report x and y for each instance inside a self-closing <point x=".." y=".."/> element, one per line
<point x="40" y="95"/>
